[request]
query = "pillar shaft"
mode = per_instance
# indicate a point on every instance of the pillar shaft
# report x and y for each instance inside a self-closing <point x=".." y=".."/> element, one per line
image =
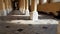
<point x="34" y="13"/>
<point x="26" y="4"/>
<point x="8" y="6"/>
<point x="4" y="8"/>
<point x="1" y="7"/>
<point x="32" y="5"/>
<point x="26" y="7"/>
<point x="22" y="6"/>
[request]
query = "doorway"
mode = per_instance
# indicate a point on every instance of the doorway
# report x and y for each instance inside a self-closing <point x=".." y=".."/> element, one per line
<point x="15" y="4"/>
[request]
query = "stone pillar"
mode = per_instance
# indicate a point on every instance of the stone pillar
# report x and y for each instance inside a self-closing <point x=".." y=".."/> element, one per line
<point x="34" y="13"/>
<point x="1" y="7"/>
<point x="4" y="8"/>
<point x="9" y="6"/>
<point x="27" y="7"/>
<point x="22" y="6"/>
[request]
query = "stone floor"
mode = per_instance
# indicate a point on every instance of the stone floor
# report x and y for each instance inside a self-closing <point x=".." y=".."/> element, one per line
<point x="58" y="27"/>
<point x="6" y="27"/>
<point x="16" y="28"/>
<point x="28" y="27"/>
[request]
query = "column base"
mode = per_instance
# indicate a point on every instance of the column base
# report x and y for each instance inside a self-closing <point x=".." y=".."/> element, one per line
<point x="34" y="16"/>
<point x="4" y="13"/>
<point x="8" y="11"/>
<point x="27" y="12"/>
<point x="23" y="12"/>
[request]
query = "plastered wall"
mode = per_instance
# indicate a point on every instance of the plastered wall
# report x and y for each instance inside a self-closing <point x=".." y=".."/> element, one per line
<point x="49" y="7"/>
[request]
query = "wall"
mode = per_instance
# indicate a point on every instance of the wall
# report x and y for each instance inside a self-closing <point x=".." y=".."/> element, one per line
<point x="49" y="7"/>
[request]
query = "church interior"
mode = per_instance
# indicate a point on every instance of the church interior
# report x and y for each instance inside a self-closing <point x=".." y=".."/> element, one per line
<point x="29" y="16"/>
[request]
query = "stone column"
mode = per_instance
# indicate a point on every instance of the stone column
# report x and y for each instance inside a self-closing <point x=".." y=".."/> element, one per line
<point x="27" y="7"/>
<point x="34" y="13"/>
<point x="22" y="6"/>
<point x="4" y="8"/>
<point x="9" y="6"/>
<point x="1" y="7"/>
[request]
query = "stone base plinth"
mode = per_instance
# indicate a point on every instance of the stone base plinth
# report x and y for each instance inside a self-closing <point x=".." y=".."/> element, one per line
<point x="34" y="16"/>
<point x="27" y="12"/>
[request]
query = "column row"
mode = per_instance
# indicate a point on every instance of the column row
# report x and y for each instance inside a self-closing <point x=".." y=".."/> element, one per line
<point x="5" y="7"/>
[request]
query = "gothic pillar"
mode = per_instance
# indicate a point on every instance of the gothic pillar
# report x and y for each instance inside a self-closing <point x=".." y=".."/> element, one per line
<point x="34" y="13"/>
<point x="1" y="7"/>
<point x="9" y="6"/>
<point x="4" y="8"/>
<point x="27" y="7"/>
<point x="22" y="6"/>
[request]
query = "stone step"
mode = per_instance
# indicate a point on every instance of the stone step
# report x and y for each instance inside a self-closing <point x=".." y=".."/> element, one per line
<point x="23" y="17"/>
